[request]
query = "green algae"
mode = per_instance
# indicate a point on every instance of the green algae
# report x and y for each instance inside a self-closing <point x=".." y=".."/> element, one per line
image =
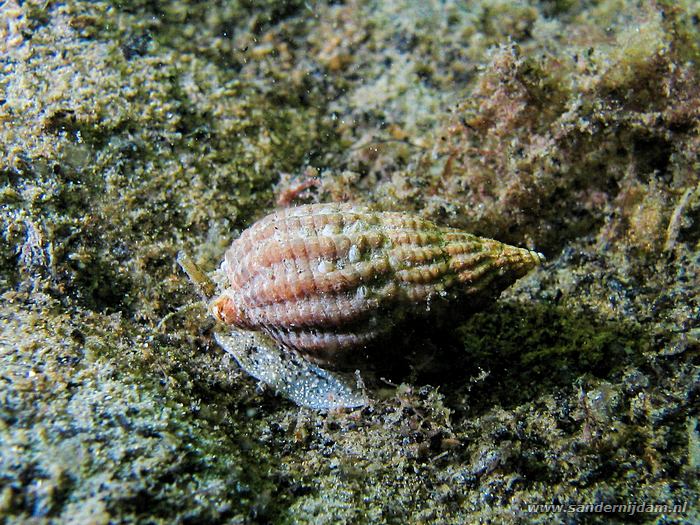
<point x="91" y="434"/>
<point x="131" y="131"/>
<point x="165" y="141"/>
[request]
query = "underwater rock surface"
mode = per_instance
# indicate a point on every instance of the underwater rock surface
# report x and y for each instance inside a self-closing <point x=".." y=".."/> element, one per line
<point x="129" y="132"/>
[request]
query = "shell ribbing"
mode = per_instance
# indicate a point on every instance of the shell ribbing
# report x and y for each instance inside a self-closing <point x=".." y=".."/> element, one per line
<point x="332" y="277"/>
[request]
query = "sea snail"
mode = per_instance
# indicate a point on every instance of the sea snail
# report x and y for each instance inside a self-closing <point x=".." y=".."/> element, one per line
<point x="317" y="284"/>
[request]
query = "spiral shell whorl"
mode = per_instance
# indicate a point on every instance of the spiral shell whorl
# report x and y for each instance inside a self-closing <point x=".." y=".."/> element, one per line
<point x="327" y="278"/>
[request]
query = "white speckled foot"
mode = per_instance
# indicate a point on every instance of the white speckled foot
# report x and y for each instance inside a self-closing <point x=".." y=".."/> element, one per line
<point x="289" y="374"/>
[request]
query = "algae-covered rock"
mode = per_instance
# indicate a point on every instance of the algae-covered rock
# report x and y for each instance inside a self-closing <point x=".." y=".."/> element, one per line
<point x="132" y="130"/>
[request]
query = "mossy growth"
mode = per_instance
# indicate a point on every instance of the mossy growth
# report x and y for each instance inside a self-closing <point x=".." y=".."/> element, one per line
<point x="113" y="155"/>
<point x="552" y="133"/>
<point x="92" y="433"/>
<point x="533" y="349"/>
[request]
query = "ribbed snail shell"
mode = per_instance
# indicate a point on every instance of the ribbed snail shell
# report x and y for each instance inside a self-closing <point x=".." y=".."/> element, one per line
<point x="328" y="279"/>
